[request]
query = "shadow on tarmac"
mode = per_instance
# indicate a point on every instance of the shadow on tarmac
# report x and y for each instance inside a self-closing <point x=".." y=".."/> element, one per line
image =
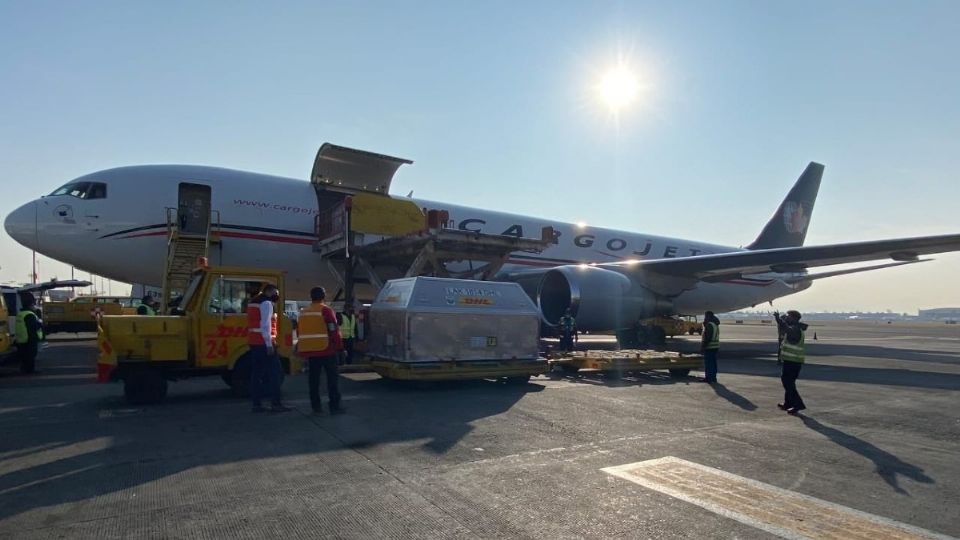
<point x="733" y="397"/>
<point x="887" y="465"/>
<point x="873" y="351"/>
<point x="751" y="365"/>
<point x="53" y="453"/>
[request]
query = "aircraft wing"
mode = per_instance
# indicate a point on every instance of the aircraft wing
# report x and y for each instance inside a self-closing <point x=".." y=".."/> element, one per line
<point x="723" y="266"/>
<point x="54" y="284"/>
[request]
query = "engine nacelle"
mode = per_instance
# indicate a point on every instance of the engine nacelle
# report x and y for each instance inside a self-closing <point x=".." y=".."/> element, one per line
<point x="599" y="298"/>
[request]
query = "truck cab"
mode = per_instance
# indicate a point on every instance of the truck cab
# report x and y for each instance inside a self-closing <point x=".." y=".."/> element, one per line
<point x="207" y="335"/>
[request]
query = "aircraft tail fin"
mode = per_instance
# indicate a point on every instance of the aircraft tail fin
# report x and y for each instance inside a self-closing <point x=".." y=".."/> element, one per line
<point x="788" y="225"/>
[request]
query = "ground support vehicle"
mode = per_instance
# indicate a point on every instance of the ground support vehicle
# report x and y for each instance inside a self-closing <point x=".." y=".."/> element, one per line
<point x="80" y="314"/>
<point x="677" y="326"/>
<point x="11" y="304"/>
<point x="615" y="364"/>
<point x="6" y="333"/>
<point x="208" y="337"/>
<point x="656" y="330"/>
<point x="432" y="329"/>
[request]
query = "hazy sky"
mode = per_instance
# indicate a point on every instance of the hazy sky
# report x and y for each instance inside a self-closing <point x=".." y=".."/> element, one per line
<point x="496" y="102"/>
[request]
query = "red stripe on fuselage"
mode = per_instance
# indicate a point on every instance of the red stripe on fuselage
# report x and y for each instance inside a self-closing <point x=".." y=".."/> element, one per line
<point x="229" y="234"/>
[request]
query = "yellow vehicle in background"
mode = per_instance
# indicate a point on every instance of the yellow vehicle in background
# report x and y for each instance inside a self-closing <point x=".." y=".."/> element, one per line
<point x="653" y="332"/>
<point x="207" y="335"/>
<point x="6" y="340"/>
<point x="80" y="314"/>
<point x="676" y="326"/>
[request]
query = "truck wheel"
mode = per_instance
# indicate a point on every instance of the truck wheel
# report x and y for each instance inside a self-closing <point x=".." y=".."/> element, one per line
<point x="518" y="381"/>
<point x="240" y="380"/>
<point x="28" y="365"/>
<point x="691" y="331"/>
<point x="144" y="386"/>
<point x="658" y="336"/>
<point x="678" y="373"/>
<point x="569" y="369"/>
<point x="613" y="375"/>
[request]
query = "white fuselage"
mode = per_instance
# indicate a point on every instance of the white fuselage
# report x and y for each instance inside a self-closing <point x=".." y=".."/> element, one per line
<point x="268" y="221"/>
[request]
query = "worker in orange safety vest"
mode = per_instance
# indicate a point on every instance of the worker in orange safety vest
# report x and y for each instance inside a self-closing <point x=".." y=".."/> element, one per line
<point x="319" y="341"/>
<point x="262" y="339"/>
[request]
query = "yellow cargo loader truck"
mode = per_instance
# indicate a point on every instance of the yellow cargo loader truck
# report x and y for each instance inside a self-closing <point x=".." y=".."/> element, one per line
<point x="205" y="335"/>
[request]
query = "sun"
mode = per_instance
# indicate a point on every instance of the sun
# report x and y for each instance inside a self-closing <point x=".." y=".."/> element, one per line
<point x="618" y="88"/>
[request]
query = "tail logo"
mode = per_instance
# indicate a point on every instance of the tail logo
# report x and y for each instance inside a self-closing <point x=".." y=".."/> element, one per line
<point x="795" y="219"/>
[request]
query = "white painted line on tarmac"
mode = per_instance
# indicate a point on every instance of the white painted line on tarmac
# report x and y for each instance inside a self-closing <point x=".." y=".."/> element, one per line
<point x="778" y="511"/>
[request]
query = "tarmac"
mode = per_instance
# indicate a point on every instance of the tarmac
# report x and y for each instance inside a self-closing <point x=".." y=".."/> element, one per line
<point x="875" y="455"/>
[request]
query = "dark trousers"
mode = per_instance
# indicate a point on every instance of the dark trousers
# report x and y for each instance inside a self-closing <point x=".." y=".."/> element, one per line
<point x="264" y="375"/>
<point x="27" y="355"/>
<point x="710" y="364"/>
<point x="566" y="340"/>
<point x="788" y="376"/>
<point x="327" y="364"/>
<point x="348" y="351"/>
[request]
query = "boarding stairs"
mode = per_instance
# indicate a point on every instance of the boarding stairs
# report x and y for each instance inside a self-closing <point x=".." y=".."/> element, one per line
<point x="184" y="251"/>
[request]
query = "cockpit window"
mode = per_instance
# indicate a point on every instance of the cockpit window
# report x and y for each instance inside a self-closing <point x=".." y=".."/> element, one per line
<point x="83" y="190"/>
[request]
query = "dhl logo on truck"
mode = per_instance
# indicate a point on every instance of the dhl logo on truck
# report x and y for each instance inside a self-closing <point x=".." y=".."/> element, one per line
<point x="224" y="331"/>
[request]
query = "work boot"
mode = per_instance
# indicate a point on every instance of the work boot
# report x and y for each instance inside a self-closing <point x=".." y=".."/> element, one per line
<point x="279" y="408"/>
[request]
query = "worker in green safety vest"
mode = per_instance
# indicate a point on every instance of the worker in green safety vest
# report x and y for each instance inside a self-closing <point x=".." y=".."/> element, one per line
<point x="148" y="306"/>
<point x="792" y="354"/>
<point x="710" y="346"/>
<point x="348" y="331"/>
<point x="28" y="333"/>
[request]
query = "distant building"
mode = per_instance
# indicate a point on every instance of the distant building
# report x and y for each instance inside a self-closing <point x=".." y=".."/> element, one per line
<point x="940" y="314"/>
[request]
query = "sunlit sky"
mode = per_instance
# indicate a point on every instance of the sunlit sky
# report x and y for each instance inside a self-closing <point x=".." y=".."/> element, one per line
<point x="499" y="105"/>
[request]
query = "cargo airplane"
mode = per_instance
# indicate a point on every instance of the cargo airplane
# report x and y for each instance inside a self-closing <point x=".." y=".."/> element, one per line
<point x="113" y="223"/>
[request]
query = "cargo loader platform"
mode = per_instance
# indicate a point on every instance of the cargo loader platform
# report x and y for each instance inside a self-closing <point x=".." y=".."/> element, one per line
<point x="615" y="364"/>
<point x="513" y="371"/>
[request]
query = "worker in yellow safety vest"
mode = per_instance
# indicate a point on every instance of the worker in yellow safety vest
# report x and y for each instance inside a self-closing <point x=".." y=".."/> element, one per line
<point x="28" y="333"/>
<point x="710" y="346"/>
<point x="348" y="331"/>
<point x="792" y="354"/>
<point x="319" y="341"/>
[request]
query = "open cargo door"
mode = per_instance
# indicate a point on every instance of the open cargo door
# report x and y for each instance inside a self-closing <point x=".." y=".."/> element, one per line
<point x="350" y="170"/>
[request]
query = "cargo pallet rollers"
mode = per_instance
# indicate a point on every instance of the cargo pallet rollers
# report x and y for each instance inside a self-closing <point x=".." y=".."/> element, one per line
<point x="615" y="364"/>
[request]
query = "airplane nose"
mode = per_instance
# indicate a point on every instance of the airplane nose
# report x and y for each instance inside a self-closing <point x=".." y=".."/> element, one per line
<point x="21" y="225"/>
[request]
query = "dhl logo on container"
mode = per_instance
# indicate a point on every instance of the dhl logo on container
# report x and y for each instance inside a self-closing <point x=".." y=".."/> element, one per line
<point x="474" y="301"/>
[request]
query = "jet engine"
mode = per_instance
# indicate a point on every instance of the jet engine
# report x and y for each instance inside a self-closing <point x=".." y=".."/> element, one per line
<point x="599" y="298"/>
